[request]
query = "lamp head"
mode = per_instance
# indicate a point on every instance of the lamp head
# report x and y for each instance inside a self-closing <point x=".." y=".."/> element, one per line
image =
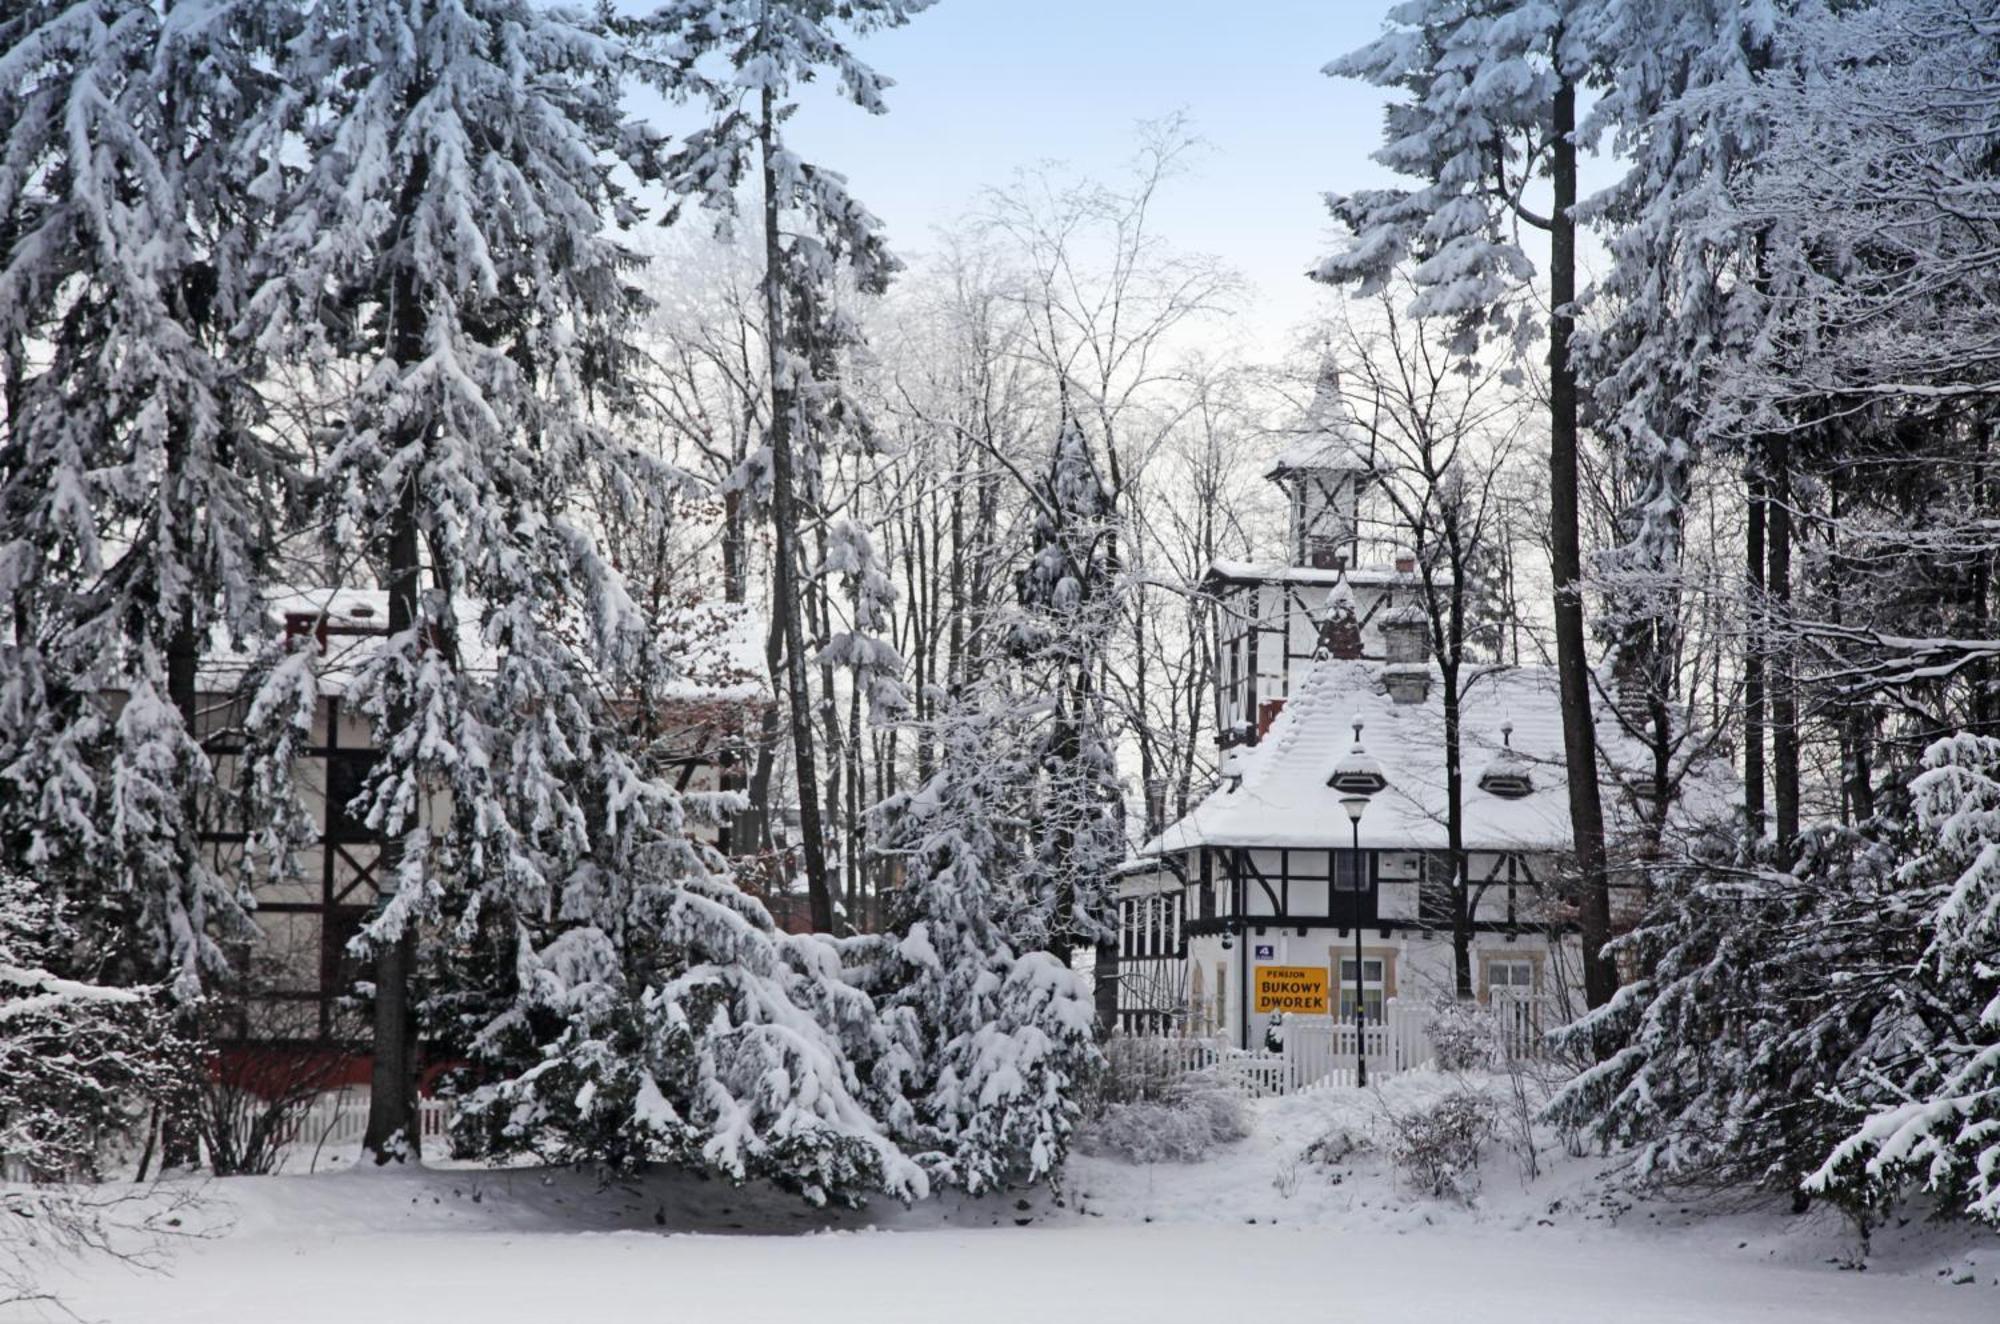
<point x="1354" y="805"/>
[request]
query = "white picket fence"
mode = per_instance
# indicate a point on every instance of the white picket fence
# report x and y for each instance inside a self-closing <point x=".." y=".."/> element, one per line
<point x="1318" y="1053"/>
<point x="1521" y="1023"/>
<point x="341" y="1119"/>
<point x="333" y="1122"/>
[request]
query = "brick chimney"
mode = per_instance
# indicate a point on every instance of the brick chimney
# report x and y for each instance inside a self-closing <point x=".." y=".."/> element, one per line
<point x="1631" y="688"/>
<point x="1406" y="633"/>
<point x="1340" y="624"/>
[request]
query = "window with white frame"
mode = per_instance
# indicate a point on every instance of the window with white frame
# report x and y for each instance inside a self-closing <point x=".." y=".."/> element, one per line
<point x="1350" y="871"/>
<point x="1371" y="989"/>
<point x="1510" y="976"/>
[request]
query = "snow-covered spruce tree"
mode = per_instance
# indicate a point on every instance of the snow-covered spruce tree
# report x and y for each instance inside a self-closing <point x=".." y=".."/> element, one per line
<point x="1879" y="192"/>
<point x="1683" y="294"/>
<point x="451" y="239"/>
<point x="862" y="648"/>
<point x="1758" y="992"/>
<point x="1487" y="107"/>
<point x="1061" y="636"/>
<point x="854" y="600"/>
<point x="1931" y="1081"/>
<point x="134" y="488"/>
<point x="742" y="58"/>
<point x="1000" y="1042"/>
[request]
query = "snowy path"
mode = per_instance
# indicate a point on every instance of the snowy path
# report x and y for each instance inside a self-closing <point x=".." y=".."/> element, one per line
<point x="1105" y="1272"/>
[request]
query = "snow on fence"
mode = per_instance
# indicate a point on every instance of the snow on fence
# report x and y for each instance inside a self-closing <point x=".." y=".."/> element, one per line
<point x="1318" y="1053"/>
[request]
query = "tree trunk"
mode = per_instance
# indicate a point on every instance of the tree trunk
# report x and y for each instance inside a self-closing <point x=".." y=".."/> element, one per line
<point x="392" y="1101"/>
<point x="1454" y="831"/>
<point x="180" y="1145"/>
<point x="393" y="1075"/>
<point x="1105" y="987"/>
<point x="1586" y="809"/>
<point x="785" y="551"/>
<point x="1784" y="693"/>
<point x="392" y="1132"/>
<point x="1753" y="661"/>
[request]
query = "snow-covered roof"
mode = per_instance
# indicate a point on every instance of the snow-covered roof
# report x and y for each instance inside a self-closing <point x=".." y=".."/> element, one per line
<point x="1235" y="572"/>
<point x="1327" y="437"/>
<point x="715" y="648"/>
<point x="1283" y="800"/>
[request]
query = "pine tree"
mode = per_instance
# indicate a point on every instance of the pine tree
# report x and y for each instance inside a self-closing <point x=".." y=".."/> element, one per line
<point x="741" y="58"/>
<point x="459" y="200"/>
<point x="1000" y="1043"/>
<point x="1758" y="991"/>
<point x="1931" y="1081"/>
<point x="862" y="649"/>
<point x="1684" y="294"/>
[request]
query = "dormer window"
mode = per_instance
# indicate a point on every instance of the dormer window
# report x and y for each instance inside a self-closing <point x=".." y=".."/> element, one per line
<point x="306" y="625"/>
<point x="1508" y="776"/>
<point x="1357" y="773"/>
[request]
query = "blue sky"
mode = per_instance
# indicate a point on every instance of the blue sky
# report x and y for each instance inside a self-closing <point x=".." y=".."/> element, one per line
<point x="987" y="86"/>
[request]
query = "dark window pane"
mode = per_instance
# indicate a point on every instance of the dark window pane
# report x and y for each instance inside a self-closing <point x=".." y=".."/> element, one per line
<point x="346" y="777"/>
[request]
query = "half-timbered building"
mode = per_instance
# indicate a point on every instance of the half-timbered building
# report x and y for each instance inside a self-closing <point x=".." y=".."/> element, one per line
<point x="297" y="977"/>
<point x="1268" y="612"/>
<point x="1268" y="896"/>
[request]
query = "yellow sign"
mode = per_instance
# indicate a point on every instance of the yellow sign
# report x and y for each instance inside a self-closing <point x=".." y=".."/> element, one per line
<point x="1291" y="988"/>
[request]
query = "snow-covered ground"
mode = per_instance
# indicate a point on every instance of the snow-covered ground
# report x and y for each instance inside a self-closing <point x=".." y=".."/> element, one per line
<point x="1252" y="1229"/>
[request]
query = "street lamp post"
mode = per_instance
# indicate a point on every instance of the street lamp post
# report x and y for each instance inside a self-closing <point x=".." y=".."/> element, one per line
<point x="1355" y="805"/>
<point x="1357" y="777"/>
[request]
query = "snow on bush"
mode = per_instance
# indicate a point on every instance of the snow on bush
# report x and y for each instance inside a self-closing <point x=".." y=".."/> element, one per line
<point x="81" y="1063"/>
<point x="1182" y="1126"/>
<point x="1436" y="1145"/>
<point x="1461" y="1035"/>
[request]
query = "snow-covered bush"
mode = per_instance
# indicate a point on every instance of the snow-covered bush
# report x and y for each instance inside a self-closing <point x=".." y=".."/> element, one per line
<point x="1183" y="1126"/>
<point x="1461" y="1035"/>
<point x="722" y="1045"/>
<point x="1335" y="1146"/>
<point x="1436" y="1144"/>
<point x="80" y="1066"/>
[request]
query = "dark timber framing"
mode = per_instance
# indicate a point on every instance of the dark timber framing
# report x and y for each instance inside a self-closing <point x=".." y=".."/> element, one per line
<point x="1243" y="655"/>
<point x="1511" y="871"/>
<point x="349" y="856"/>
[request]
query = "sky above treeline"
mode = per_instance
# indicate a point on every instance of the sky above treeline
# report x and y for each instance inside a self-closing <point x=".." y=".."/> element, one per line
<point x="987" y="87"/>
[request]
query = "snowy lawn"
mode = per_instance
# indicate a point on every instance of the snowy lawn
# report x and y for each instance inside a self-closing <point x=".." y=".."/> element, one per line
<point x="1252" y="1228"/>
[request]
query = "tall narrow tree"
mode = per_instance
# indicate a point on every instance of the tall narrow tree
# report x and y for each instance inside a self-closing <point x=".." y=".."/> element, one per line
<point x="742" y="59"/>
<point x="1489" y="109"/>
<point x="1069" y="605"/>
